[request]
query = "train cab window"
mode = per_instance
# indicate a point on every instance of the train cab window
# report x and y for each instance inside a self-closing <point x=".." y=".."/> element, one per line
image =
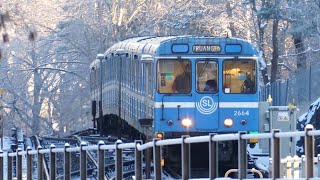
<point x="239" y="76"/>
<point x="207" y="76"/>
<point x="174" y="76"/>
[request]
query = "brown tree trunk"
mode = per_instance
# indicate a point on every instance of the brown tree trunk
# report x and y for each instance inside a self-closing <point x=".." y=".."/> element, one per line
<point x="261" y="30"/>
<point x="275" y="53"/>
<point x="301" y="58"/>
<point x="36" y="104"/>
<point x="231" y="23"/>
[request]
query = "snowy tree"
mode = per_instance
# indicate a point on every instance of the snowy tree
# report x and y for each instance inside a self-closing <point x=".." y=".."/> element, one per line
<point x="45" y="65"/>
<point x="35" y="75"/>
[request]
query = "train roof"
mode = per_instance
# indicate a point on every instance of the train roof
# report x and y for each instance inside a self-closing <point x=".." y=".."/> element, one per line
<point x="152" y="45"/>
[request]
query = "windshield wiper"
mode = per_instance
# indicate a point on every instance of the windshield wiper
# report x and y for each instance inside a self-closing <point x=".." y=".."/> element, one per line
<point x="183" y="66"/>
<point x="203" y="68"/>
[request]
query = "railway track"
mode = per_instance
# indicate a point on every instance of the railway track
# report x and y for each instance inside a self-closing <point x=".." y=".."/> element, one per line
<point x="128" y="156"/>
<point x="92" y="156"/>
<point x="90" y="138"/>
<point x="45" y="143"/>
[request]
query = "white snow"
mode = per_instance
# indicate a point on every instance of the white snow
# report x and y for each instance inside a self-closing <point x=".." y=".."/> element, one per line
<point x="308" y="115"/>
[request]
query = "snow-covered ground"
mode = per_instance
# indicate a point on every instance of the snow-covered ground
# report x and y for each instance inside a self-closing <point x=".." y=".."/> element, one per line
<point x="256" y="152"/>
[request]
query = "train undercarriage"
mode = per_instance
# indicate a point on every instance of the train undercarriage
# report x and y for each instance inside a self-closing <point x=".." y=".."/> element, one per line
<point x="199" y="157"/>
<point x="110" y="126"/>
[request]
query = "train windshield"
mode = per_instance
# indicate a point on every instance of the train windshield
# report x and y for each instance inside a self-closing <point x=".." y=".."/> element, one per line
<point x="174" y="76"/>
<point x="207" y="76"/>
<point x="239" y="76"/>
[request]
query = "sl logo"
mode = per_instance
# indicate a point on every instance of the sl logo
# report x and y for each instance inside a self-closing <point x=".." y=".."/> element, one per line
<point x="206" y="105"/>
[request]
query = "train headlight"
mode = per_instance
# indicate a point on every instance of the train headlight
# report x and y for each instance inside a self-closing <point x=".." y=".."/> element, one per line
<point x="186" y="122"/>
<point x="160" y="135"/>
<point x="228" y="122"/>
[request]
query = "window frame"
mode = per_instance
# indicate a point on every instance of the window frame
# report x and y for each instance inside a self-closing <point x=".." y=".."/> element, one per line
<point x="177" y="60"/>
<point x="217" y="74"/>
<point x="239" y="60"/>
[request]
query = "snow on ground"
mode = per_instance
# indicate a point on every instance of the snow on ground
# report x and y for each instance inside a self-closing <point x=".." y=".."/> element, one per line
<point x="308" y="115"/>
<point x="262" y="158"/>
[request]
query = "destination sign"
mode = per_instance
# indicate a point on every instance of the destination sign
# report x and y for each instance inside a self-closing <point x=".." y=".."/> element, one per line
<point x="206" y="48"/>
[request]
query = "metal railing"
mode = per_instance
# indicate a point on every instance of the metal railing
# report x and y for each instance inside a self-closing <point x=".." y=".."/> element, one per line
<point x="156" y="145"/>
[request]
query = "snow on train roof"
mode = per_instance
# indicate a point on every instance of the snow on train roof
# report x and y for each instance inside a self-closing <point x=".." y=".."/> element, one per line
<point x="133" y="44"/>
<point x="150" y="44"/>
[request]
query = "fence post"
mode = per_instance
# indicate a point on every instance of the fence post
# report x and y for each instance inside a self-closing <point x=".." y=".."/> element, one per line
<point x="303" y="165"/>
<point x="118" y="161"/>
<point x="101" y="160"/>
<point x="52" y="162"/>
<point x="309" y="151"/>
<point x="283" y="166"/>
<point x="275" y="154"/>
<point x="288" y="167"/>
<point x="19" y="164"/>
<point x="157" y="160"/>
<point x="138" y="160"/>
<point x="185" y="157"/>
<point x="29" y="163"/>
<point x="270" y="165"/>
<point x="67" y="162"/>
<point x="9" y="175"/>
<point x="318" y="164"/>
<point x="213" y="158"/>
<point x="148" y="162"/>
<point x="242" y="154"/>
<point x="83" y="161"/>
<point x="40" y="163"/>
<point x="296" y="172"/>
<point x="1" y="165"/>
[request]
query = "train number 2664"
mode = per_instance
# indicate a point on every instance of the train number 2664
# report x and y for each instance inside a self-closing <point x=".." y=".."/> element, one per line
<point x="241" y="113"/>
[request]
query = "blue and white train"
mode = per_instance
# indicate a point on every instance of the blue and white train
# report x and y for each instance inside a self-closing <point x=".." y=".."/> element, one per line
<point x="181" y="84"/>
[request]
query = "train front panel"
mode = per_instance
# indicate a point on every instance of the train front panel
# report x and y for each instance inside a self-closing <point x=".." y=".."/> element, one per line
<point x="206" y="92"/>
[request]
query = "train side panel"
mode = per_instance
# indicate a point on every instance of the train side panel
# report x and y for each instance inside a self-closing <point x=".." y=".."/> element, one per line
<point x="215" y="100"/>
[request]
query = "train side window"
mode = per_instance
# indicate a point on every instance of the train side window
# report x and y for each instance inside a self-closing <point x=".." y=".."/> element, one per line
<point x="151" y="82"/>
<point x="174" y="76"/>
<point x="207" y="76"/>
<point x="239" y="76"/>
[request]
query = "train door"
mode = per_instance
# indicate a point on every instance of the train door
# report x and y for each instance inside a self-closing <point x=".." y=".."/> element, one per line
<point x="206" y="101"/>
<point x="238" y="107"/>
<point x="174" y="101"/>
